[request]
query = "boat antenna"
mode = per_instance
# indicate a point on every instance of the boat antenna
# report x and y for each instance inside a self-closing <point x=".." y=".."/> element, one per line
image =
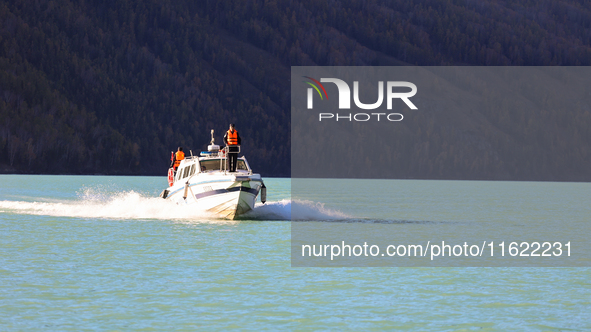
<point x="212" y="139"/>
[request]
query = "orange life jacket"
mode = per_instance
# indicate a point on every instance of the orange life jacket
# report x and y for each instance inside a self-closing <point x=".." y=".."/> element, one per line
<point x="180" y="155"/>
<point x="233" y="137"/>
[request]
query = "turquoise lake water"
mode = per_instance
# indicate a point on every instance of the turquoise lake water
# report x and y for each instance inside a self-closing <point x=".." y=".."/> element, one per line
<point x="105" y="253"/>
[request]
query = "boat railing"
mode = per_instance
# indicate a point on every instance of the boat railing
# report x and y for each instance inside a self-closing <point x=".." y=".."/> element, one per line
<point x="226" y="150"/>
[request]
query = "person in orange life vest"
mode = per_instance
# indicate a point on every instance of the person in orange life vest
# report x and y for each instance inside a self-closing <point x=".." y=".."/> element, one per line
<point x="179" y="155"/>
<point x="232" y="140"/>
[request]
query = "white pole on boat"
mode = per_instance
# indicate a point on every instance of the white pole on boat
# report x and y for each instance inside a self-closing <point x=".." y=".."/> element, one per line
<point x="224" y="160"/>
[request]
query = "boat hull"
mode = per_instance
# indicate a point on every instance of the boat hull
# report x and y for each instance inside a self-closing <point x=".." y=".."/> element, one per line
<point x="224" y="197"/>
<point x="230" y="204"/>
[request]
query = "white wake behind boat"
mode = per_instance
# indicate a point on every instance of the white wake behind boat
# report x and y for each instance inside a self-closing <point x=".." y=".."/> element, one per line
<point x="204" y="182"/>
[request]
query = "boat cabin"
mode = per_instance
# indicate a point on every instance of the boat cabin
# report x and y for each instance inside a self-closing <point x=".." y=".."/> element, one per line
<point x="212" y="161"/>
<point x="194" y="165"/>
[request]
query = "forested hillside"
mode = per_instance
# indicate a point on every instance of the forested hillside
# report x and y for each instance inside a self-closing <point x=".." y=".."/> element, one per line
<point x="111" y="87"/>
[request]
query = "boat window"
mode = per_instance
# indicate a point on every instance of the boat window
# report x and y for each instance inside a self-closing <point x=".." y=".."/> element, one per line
<point x="211" y="165"/>
<point x="179" y="173"/>
<point x="214" y="165"/>
<point x="192" y="169"/>
<point x="241" y="165"/>
<point x="186" y="172"/>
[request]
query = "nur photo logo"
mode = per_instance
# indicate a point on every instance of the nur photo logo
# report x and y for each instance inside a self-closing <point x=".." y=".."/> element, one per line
<point x="392" y="92"/>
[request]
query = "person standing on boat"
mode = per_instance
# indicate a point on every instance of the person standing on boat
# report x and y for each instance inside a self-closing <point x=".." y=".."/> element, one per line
<point x="179" y="156"/>
<point x="232" y="140"/>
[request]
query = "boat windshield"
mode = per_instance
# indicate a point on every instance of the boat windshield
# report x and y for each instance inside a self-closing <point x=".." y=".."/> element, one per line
<point x="214" y="165"/>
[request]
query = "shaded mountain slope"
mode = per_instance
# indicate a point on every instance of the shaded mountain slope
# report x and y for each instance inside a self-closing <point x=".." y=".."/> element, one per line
<point x="91" y="87"/>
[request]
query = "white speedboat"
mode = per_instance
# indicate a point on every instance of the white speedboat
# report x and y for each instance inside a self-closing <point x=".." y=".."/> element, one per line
<point x="205" y="182"/>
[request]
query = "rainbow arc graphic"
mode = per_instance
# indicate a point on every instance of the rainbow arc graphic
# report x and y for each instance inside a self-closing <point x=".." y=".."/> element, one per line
<point x="315" y="84"/>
